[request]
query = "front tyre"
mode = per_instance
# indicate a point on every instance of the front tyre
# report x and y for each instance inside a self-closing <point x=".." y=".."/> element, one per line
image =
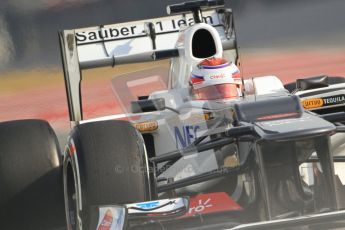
<point x="104" y="163"/>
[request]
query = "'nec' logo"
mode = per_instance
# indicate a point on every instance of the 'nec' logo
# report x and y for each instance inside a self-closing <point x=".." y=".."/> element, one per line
<point x="186" y="136"/>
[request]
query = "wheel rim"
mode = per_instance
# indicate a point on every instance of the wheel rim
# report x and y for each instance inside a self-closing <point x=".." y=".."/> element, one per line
<point x="71" y="199"/>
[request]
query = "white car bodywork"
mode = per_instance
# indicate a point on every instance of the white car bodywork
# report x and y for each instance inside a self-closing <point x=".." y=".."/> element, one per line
<point x="122" y="43"/>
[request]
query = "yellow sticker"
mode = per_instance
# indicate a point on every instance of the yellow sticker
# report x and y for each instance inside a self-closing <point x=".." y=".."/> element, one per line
<point x="146" y="126"/>
<point x="312" y="103"/>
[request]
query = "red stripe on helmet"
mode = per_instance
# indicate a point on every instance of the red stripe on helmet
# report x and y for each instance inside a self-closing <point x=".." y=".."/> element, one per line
<point x="196" y="79"/>
<point x="236" y="75"/>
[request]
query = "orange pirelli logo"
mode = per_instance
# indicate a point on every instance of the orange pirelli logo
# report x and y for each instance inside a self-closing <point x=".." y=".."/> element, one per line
<point x="147" y="126"/>
<point x="312" y="103"/>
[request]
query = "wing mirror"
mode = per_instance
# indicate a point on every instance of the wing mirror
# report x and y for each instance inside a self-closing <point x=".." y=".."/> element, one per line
<point x="312" y="83"/>
<point x="148" y="105"/>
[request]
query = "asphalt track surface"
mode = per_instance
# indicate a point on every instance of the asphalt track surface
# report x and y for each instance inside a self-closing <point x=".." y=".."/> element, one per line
<point x="32" y="34"/>
<point x="23" y="98"/>
<point x="290" y="39"/>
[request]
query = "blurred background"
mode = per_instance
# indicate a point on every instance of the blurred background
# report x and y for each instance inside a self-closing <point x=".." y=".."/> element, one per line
<point x="289" y="39"/>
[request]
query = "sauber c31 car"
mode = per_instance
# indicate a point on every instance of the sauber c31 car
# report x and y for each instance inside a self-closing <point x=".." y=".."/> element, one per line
<point x="268" y="159"/>
<point x="262" y="160"/>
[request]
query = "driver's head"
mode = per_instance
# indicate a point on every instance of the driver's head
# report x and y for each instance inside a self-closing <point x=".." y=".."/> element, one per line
<point x="216" y="79"/>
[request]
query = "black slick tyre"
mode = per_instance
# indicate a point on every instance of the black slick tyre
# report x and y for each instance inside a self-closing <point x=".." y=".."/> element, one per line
<point x="104" y="163"/>
<point x="31" y="191"/>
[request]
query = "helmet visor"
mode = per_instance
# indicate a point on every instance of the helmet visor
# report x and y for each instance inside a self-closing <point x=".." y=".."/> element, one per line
<point x="217" y="92"/>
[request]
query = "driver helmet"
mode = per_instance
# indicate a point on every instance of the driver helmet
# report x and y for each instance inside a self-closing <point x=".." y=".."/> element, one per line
<point x="216" y="79"/>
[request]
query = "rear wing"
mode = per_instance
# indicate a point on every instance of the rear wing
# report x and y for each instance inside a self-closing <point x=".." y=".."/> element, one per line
<point x="131" y="42"/>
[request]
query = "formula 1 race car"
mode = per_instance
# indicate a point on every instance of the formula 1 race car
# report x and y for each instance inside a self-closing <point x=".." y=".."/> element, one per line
<point x="263" y="160"/>
<point x="246" y="154"/>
